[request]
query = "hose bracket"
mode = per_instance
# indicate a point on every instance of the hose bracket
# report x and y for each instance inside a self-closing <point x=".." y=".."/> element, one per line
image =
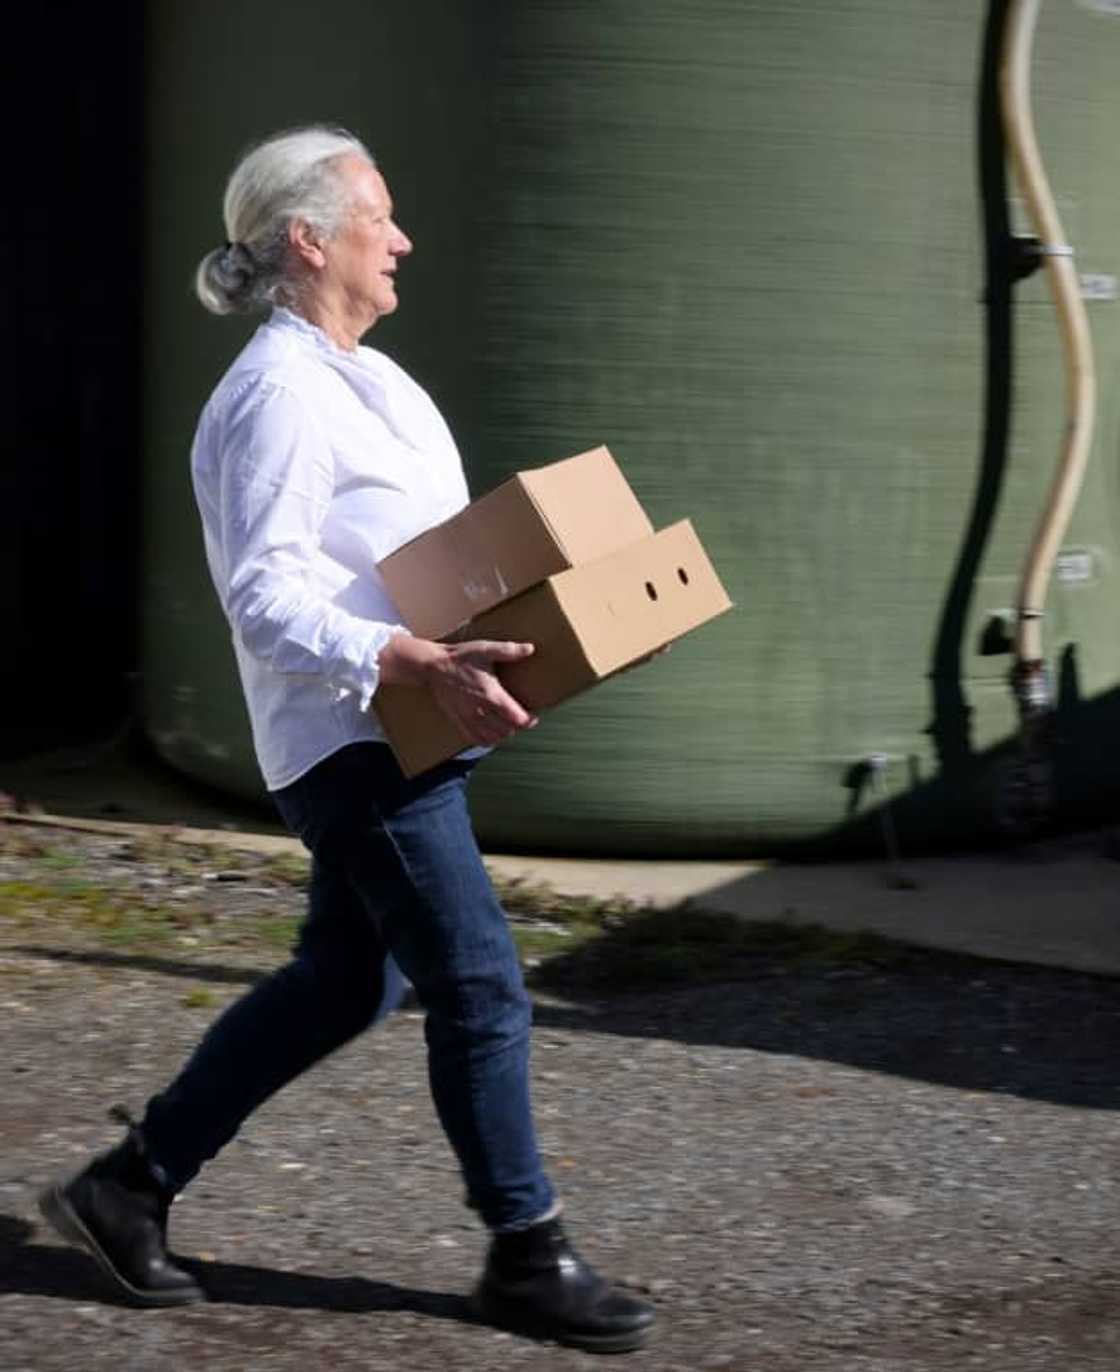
<point x="1027" y="254"/>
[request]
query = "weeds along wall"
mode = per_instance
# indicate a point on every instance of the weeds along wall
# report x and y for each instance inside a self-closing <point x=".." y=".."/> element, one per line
<point x="760" y="250"/>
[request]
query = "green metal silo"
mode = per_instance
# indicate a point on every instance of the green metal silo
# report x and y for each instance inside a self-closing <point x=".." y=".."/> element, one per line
<point x="758" y="249"/>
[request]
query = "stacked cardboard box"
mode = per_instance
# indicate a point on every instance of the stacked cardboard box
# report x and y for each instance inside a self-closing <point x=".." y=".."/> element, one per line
<point x="563" y="557"/>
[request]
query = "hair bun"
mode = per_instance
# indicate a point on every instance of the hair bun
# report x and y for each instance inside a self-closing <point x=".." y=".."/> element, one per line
<point x="225" y="279"/>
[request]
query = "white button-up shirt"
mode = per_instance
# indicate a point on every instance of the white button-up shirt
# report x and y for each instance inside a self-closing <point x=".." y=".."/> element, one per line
<point x="310" y="464"/>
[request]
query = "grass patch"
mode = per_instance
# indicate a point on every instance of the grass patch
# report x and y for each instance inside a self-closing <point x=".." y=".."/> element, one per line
<point x="686" y="945"/>
<point x="61" y="860"/>
<point x="287" y="869"/>
<point x="533" y="903"/>
<point x="85" y="908"/>
<point x="198" y="998"/>
<point x="268" y="930"/>
<point x="567" y="943"/>
<point x="133" y="921"/>
<point x="571" y="942"/>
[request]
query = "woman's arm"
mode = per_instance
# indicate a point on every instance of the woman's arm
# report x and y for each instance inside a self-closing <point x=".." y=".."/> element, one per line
<point x="276" y="484"/>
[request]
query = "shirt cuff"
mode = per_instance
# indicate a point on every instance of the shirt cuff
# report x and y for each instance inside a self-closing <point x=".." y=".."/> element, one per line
<point x="373" y="680"/>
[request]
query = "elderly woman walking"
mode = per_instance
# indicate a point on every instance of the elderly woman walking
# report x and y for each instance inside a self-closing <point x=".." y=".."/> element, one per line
<point x="314" y="458"/>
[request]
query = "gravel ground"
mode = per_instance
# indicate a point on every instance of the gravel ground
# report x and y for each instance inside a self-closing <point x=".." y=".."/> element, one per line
<point x="853" y="1168"/>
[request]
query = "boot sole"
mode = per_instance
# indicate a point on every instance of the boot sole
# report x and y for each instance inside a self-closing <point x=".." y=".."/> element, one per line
<point x="501" y="1317"/>
<point x="64" y="1219"/>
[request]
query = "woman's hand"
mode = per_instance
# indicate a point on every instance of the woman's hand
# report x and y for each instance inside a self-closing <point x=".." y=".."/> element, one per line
<point x="463" y="680"/>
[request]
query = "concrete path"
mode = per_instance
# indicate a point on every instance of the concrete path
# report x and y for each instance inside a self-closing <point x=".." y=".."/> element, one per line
<point x="1058" y="905"/>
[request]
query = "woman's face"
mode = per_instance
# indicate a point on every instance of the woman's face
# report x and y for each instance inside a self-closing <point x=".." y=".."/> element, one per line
<point x="361" y="259"/>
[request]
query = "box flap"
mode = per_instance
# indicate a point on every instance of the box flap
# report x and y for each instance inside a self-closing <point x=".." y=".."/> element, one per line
<point x="588" y="505"/>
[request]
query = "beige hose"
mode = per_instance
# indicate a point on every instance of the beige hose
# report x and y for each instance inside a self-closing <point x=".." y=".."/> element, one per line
<point x="1080" y="378"/>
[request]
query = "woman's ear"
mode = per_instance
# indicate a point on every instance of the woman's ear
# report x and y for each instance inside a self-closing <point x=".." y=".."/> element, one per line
<point x="307" y="244"/>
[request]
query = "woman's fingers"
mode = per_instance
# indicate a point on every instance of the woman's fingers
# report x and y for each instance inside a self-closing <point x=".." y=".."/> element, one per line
<point x="498" y="714"/>
<point x="483" y="705"/>
<point x="499" y="651"/>
<point x="507" y="710"/>
<point x="467" y="688"/>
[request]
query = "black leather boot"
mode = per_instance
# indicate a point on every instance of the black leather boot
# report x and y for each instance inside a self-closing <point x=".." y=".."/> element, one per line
<point x="536" y="1283"/>
<point x="116" y="1209"/>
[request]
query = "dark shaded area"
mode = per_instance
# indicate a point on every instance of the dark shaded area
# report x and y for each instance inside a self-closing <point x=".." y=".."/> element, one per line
<point x="978" y="800"/>
<point x="123" y="778"/>
<point x="72" y="238"/>
<point x="962" y="809"/>
<point x="950" y="727"/>
<point x="965" y="1022"/>
<point x="975" y="800"/>
<point x="240" y="1284"/>
<point x="218" y="973"/>
<point x="33" y="1269"/>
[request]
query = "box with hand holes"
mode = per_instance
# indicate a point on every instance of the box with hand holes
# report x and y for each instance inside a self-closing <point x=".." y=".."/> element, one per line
<point x="587" y="622"/>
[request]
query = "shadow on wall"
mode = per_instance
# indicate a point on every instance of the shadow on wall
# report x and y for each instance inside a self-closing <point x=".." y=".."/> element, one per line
<point x="950" y="729"/>
<point x="970" y="804"/>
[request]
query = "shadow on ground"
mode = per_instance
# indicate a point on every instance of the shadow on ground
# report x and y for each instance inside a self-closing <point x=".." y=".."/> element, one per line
<point x="218" y="973"/>
<point x="1035" y="1032"/>
<point x="1038" y="1033"/>
<point x="33" y="1269"/>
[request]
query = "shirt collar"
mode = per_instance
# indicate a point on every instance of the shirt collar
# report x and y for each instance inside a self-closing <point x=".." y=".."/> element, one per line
<point x="288" y="319"/>
<point x="361" y="361"/>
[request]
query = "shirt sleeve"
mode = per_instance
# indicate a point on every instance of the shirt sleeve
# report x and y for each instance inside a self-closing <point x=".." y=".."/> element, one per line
<point x="276" y="481"/>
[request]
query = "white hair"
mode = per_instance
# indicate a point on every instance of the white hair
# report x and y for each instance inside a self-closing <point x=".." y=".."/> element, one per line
<point x="293" y="175"/>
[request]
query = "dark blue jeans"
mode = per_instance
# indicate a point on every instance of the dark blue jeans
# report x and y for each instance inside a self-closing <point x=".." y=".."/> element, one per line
<point x="397" y="881"/>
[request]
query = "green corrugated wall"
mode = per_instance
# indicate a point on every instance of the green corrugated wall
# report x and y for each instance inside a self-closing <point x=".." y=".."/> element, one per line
<point x="744" y="245"/>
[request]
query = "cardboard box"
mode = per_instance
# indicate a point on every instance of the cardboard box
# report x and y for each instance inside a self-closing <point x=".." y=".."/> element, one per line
<point x="536" y="523"/>
<point x="587" y="622"/>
